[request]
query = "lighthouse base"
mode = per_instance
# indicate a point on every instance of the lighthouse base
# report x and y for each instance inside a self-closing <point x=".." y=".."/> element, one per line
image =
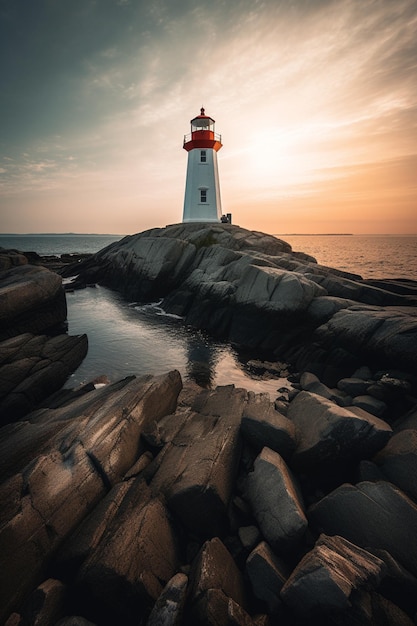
<point x="202" y="220"/>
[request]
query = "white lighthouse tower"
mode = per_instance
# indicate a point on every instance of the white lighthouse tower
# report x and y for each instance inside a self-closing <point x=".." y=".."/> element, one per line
<point x="202" y="201"/>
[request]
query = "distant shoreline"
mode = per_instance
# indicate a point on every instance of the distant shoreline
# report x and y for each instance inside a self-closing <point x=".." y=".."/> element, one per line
<point x="313" y="234"/>
<point x="61" y="235"/>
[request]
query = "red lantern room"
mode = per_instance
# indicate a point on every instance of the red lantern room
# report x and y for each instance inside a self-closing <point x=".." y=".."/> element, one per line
<point x="202" y="134"/>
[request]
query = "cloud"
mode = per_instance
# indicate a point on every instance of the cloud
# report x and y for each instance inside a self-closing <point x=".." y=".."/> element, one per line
<point x="301" y="91"/>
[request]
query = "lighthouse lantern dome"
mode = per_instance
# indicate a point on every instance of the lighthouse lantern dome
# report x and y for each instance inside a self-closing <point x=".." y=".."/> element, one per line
<point x="202" y="122"/>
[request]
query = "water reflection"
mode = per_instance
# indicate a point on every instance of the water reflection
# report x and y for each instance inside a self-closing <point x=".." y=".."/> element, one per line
<point x="130" y="338"/>
<point x="202" y="361"/>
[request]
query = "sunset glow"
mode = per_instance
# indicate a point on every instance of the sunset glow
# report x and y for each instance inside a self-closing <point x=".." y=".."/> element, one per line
<point x="315" y="102"/>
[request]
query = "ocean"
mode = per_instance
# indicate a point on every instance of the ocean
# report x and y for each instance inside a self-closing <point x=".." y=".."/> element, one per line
<point x="131" y="338"/>
<point x="371" y="256"/>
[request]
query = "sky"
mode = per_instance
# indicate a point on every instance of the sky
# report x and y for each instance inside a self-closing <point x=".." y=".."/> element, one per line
<point x="316" y="102"/>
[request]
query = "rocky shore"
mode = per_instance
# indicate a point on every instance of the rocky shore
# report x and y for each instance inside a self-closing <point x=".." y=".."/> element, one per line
<point x="153" y="501"/>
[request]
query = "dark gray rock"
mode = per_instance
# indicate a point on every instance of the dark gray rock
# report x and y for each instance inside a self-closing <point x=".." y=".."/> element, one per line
<point x="325" y="578"/>
<point x="371" y="405"/>
<point x="276" y="501"/>
<point x="46" y="605"/>
<point x="197" y="468"/>
<point x="267" y="575"/>
<point x="74" y="620"/>
<point x="378" y="334"/>
<point x="397" y="584"/>
<point x="32" y="299"/>
<point x="327" y="432"/>
<point x="263" y="426"/>
<point x="398" y="461"/>
<point x="34" y="366"/>
<point x="310" y="382"/>
<point x="371" y="515"/>
<point x="249" y="536"/>
<point x="353" y="386"/>
<point x="168" y="609"/>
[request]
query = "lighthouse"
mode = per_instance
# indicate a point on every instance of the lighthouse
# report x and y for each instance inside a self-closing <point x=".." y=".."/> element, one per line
<point x="202" y="201"/>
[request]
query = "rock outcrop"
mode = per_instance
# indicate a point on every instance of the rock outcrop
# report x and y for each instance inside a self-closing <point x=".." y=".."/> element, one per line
<point x="34" y="366"/>
<point x="32" y="299"/>
<point x="35" y="360"/>
<point x="251" y="289"/>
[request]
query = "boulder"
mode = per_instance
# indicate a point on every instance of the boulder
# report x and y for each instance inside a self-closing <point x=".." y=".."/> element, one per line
<point x="168" y="609"/>
<point x="263" y="426"/>
<point x="398" y="461"/>
<point x="214" y="579"/>
<point x="371" y="515"/>
<point x="83" y="541"/>
<point x="381" y="335"/>
<point x="34" y="366"/>
<point x="325" y="578"/>
<point x="273" y="289"/>
<point x="11" y="258"/>
<point x="197" y="468"/>
<point x="371" y="405"/>
<point x="354" y="386"/>
<point x="276" y="501"/>
<point x="327" y="432"/>
<point x="267" y="575"/>
<point x="136" y="557"/>
<point x="310" y="382"/>
<point x="46" y="605"/>
<point x="249" y="536"/>
<point x="32" y="299"/>
<point x="397" y="584"/>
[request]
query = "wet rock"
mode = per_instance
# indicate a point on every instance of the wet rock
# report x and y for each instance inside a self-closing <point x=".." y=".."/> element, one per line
<point x="276" y="501"/>
<point x="327" y="432"/>
<point x="263" y="426"/>
<point x="371" y="515"/>
<point x="31" y="300"/>
<point x="325" y="578"/>
<point x="267" y="574"/>
<point x="168" y="609"/>
<point x="196" y="470"/>
<point x="34" y="366"/>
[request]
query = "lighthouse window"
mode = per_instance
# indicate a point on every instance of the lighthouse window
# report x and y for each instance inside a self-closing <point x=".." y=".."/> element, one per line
<point x="203" y="195"/>
<point x="203" y="156"/>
